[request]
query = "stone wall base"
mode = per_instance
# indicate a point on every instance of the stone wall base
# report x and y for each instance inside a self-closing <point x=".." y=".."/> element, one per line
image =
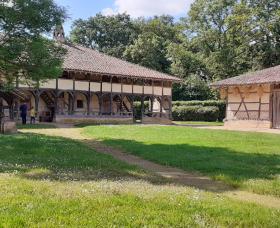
<point x="9" y="127"/>
<point x="247" y="124"/>
<point x="94" y="120"/>
<point x="156" y="120"/>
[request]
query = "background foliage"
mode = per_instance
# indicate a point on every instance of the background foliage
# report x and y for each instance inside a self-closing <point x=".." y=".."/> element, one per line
<point x="217" y="39"/>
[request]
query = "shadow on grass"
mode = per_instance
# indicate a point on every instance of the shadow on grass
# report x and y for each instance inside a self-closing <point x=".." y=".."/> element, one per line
<point x="230" y="166"/>
<point x="41" y="157"/>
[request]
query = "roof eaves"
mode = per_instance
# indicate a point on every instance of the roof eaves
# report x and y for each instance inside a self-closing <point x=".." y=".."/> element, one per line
<point x="172" y="78"/>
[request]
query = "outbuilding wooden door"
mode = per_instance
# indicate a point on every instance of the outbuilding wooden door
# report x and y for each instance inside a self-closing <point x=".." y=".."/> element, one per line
<point x="276" y="109"/>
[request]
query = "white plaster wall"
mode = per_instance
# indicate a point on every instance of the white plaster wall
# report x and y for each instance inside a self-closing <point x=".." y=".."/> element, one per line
<point x="95" y="87"/>
<point x="106" y="87"/>
<point x="158" y="90"/>
<point x="51" y="84"/>
<point x="127" y="88"/>
<point x="148" y="90"/>
<point x="117" y="88"/>
<point x="65" y="84"/>
<point x="138" y="89"/>
<point x="81" y="86"/>
<point x="167" y="91"/>
<point x="249" y="101"/>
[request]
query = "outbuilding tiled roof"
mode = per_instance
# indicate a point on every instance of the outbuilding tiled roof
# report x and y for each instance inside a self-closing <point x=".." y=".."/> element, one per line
<point x="266" y="76"/>
<point x="79" y="58"/>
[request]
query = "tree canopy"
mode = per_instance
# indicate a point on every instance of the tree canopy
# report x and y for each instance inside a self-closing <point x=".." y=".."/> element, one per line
<point x="24" y="49"/>
<point x="109" y="34"/>
<point x="217" y="39"/>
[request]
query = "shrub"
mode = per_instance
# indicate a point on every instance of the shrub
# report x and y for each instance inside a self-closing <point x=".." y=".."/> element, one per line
<point x="137" y="108"/>
<point x="195" y="113"/>
<point x="221" y="105"/>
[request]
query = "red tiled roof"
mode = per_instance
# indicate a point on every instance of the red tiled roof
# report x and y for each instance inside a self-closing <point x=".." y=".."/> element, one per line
<point x="266" y="76"/>
<point x="80" y="58"/>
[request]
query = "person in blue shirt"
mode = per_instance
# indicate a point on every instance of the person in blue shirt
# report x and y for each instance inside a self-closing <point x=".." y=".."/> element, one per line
<point x="23" y="112"/>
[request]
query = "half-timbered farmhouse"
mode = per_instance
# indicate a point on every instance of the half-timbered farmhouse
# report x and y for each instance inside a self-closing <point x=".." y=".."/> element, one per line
<point x="97" y="88"/>
<point x="253" y="99"/>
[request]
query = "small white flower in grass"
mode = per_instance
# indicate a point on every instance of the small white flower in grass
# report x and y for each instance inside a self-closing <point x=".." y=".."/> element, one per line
<point x="29" y="206"/>
<point x="197" y="195"/>
<point x="199" y="220"/>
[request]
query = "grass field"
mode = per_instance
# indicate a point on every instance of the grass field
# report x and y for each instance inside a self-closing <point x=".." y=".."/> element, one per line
<point x="54" y="182"/>
<point x="249" y="161"/>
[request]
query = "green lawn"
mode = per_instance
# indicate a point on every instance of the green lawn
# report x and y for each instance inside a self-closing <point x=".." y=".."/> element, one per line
<point x="55" y="182"/>
<point x="199" y="123"/>
<point x="248" y="161"/>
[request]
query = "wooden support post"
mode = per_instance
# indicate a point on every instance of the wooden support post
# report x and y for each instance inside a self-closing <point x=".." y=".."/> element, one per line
<point x="74" y="97"/>
<point x="55" y="101"/>
<point x="89" y="100"/>
<point x="37" y="100"/>
<point x="89" y="103"/>
<point x="121" y="105"/>
<point x="74" y="104"/>
<point x="171" y="105"/>
<point x="111" y="96"/>
<point x="56" y="105"/>
<point x="152" y="105"/>
<point x="101" y="97"/>
<point x="142" y="106"/>
<point x="132" y="109"/>
<point x="260" y="107"/>
<point x="161" y="108"/>
<point x="70" y="103"/>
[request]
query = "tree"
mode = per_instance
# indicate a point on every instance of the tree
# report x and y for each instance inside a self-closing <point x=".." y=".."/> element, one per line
<point x="149" y="51"/>
<point x="234" y="36"/>
<point x="108" y="34"/>
<point x="207" y="22"/>
<point x="23" y="48"/>
<point x="193" y="88"/>
<point x="187" y="65"/>
<point x="24" y="51"/>
<point x="265" y="32"/>
<point x="150" y="48"/>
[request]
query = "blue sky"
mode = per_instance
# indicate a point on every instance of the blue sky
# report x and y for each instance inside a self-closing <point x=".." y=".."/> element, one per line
<point x="147" y="8"/>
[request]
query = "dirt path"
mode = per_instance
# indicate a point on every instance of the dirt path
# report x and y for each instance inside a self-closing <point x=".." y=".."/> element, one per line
<point x="177" y="176"/>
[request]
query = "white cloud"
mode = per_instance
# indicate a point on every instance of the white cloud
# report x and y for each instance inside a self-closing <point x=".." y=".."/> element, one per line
<point x="108" y="12"/>
<point x="146" y="8"/>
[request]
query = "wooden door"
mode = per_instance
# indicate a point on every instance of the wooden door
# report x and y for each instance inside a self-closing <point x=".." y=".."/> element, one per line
<point x="276" y="109"/>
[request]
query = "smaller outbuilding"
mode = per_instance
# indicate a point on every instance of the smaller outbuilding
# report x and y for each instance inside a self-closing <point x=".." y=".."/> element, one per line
<point x="253" y="99"/>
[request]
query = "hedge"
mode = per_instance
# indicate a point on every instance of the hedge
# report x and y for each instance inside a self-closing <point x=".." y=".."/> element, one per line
<point x="195" y="113"/>
<point x="210" y="110"/>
